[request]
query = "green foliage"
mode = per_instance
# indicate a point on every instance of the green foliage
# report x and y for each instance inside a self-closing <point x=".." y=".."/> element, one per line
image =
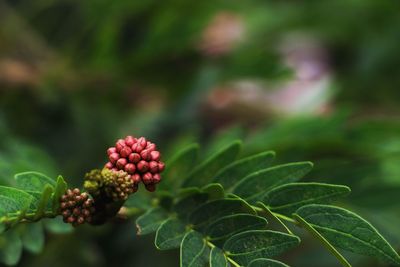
<point x="222" y="221"/>
<point x="348" y="231"/>
<point x="35" y="197"/>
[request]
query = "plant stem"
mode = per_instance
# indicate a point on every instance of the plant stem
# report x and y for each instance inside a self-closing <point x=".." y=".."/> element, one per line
<point x="322" y="239"/>
<point x="234" y="263"/>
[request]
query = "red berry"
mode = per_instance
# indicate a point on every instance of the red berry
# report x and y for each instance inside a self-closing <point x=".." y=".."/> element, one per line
<point x="156" y="178"/>
<point x="125" y="152"/>
<point x="120" y="144"/>
<point x="134" y="158"/>
<point x="76" y="211"/>
<point x="136" y="178"/>
<point x="81" y="220"/>
<point x="155" y="155"/>
<point x="143" y="166"/>
<point x="161" y="166"/>
<point x="137" y="148"/>
<point x="114" y="157"/>
<point x="147" y="178"/>
<point x="121" y="163"/>
<point x="151" y="146"/>
<point x="111" y="150"/>
<point x="145" y="154"/>
<point x="109" y="165"/>
<point x="130" y="140"/>
<point x="130" y="168"/>
<point x="142" y="141"/>
<point x="153" y="165"/>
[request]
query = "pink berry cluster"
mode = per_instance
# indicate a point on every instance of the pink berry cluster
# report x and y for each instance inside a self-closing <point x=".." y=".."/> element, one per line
<point x="139" y="158"/>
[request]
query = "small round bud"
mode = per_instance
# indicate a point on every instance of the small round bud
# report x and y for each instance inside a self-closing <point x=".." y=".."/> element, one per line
<point x="130" y="168"/>
<point x="66" y="213"/>
<point x="134" y="158"/>
<point x="153" y="166"/>
<point x="151" y="147"/>
<point x="142" y="141"/>
<point x="137" y="148"/>
<point x="108" y="165"/>
<point x="130" y="140"/>
<point x="121" y="163"/>
<point x="156" y="178"/>
<point x="147" y="178"/>
<point x="155" y="155"/>
<point x="125" y="152"/>
<point x="136" y="178"/>
<point x="76" y="211"/>
<point x="161" y="166"/>
<point x="111" y="150"/>
<point x="145" y="154"/>
<point x="71" y="219"/>
<point x="143" y="166"/>
<point x="114" y="157"/>
<point x="120" y="144"/>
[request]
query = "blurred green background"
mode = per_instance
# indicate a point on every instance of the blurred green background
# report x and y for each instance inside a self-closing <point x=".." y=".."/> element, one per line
<point x="311" y="80"/>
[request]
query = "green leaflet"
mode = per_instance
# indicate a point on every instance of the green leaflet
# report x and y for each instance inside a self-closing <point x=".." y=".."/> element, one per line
<point x="33" y="237"/>
<point x="256" y="184"/>
<point x="33" y="181"/>
<point x="8" y="205"/>
<point x="217" y="258"/>
<point x="213" y="210"/>
<point x="43" y="202"/>
<point x="61" y="187"/>
<point x="13" y="200"/>
<point x="254" y="244"/>
<point x="194" y="250"/>
<point x="214" y="191"/>
<point x="322" y="239"/>
<point x="170" y="234"/>
<point x="348" y="231"/>
<point x="286" y="199"/>
<point x="239" y="169"/>
<point x="267" y="263"/>
<point x="178" y="166"/>
<point x="187" y="204"/>
<point x="150" y="221"/>
<point x="10" y="247"/>
<point x="225" y="227"/>
<point x="204" y="173"/>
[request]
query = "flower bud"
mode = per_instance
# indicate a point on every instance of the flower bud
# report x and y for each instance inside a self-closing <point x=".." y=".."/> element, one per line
<point x="134" y="158"/>
<point x="156" y="178"/>
<point x="121" y="163"/>
<point x="130" y="168"/>
<point x="145" y="154"/>
<point x="137" y="148"/>
<point x="161" y="166"/>
<point x="125" y="152"/>
<point x="120" y="144"/>
<point x="143" y="166"/>
<point x="114" y="157"/>
<point x="130" y="140"/>
<point x="142" y="141"/>
<point x="155" y="155"/>
<point x="111" y="150"/>
<point x="153" y="166"/>
<point x="151" y="147"/>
